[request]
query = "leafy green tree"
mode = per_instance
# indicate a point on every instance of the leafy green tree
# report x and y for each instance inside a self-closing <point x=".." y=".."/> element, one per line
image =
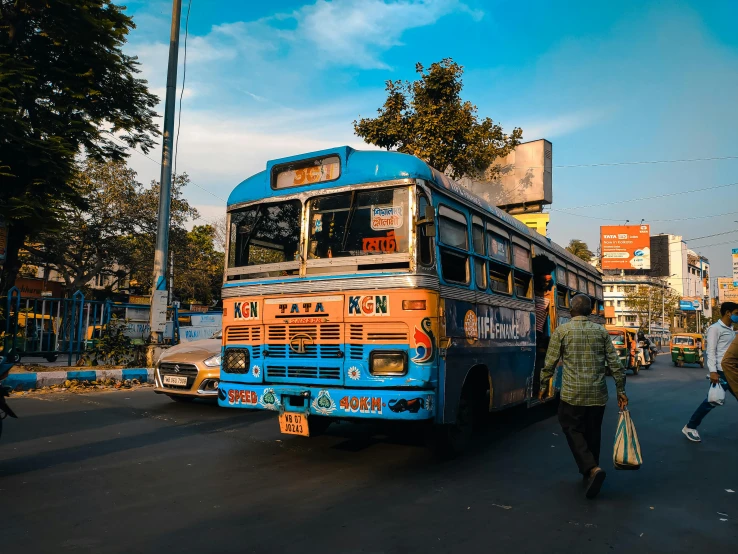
<point x="114" y="232"/>
<point x="198" y="271"/>
<point x="580" y="249"/>
<point x="645" y="302"/>
<point x="65" y="87"/>
<point x="140" y="245"/>
<point x="91" y="240"/>
<point x="428" y="119"/>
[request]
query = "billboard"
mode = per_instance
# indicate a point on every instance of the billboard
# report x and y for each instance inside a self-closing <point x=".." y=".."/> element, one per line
<point x="727" y="290"/>
<point x="625" y="246"/>
<point x="521" y="182"/>
<point x="690" y="304"/>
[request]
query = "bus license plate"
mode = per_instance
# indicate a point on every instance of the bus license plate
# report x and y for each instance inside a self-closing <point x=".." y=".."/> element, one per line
<point x="291" y="423"/>
<point x="175" y="380"/>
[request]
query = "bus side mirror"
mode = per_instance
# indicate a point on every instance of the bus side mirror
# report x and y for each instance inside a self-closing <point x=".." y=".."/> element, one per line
<point x="428" y="222"/>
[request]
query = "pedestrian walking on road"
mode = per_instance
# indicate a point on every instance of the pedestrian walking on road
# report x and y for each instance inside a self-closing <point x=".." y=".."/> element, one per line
<point x="584" y="348"/>
<point x="720" y="335"/>
<point x="730" y="365"/>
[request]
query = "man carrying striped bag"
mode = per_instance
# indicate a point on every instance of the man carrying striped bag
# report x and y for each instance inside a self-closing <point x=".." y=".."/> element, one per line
<point x="584" y="348"/>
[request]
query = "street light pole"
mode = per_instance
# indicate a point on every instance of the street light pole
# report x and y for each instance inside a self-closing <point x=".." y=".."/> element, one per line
<point x="158" y="315"/>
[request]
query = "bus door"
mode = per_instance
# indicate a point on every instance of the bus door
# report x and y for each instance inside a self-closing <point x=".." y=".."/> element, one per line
<point x="544" y="279"/>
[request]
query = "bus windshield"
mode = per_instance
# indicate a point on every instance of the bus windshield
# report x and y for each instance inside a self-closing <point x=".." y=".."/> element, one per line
<point x="359" y="223"/>
<point x="265" y="234"/>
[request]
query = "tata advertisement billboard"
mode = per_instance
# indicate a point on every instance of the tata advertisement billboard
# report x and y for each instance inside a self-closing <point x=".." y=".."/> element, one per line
<point x="626" y="246"/>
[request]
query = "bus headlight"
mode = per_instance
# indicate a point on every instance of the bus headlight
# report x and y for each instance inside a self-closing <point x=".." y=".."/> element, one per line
<point x="383" y="362"/>
<point x="236" y="360"/>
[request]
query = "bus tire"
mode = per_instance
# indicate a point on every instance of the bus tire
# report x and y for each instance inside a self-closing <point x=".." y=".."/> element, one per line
<point x="318" y="424"/>
<point x="450" y="440"/>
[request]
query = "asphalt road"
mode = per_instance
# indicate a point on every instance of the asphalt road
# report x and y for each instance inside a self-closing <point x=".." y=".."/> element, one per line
<point x="130" y="471"/>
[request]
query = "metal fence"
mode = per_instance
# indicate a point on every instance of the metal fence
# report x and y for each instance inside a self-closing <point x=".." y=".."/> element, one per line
<point x="51" y="327"/>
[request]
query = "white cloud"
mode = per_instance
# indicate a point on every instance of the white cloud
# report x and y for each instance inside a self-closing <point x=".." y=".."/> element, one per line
<point x="562" y="124"/>
<point x="355" y="32"/>
<point x="219" y="150"/>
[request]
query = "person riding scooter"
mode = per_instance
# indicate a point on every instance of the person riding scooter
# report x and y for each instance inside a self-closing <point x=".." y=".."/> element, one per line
<point x="645" y="345"/>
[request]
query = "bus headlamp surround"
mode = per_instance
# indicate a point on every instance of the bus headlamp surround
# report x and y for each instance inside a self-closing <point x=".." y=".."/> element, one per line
<point x="388" y="362"/>
<point x="236" y="360"/>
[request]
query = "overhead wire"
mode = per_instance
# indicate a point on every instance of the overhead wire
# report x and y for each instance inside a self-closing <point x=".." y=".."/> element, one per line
<point x="649" y="221"/>
<point x="644" y="162"/>
<point x="184" y="80"/>
<point x="655" y="197"/>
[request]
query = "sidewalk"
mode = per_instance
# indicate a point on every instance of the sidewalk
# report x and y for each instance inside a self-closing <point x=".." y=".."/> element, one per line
<point x="32" y="380"/>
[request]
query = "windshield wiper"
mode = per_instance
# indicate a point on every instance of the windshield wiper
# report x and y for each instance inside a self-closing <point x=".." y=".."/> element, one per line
<point x="352" y="209"/>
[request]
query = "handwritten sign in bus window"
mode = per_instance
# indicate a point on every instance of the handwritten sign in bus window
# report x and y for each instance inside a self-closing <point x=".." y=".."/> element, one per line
<point x="382" y="245"/>
<point x="386" y="217"/>
<point x="314" y="171"/>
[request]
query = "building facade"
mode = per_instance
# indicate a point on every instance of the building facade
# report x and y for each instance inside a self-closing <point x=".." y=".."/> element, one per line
<point x="619" y="312"/>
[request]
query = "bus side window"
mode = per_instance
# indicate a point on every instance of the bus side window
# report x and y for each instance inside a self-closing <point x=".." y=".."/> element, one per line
<point x="563" y="296"/>
<point x="499" y="277"/>
<point x="453" y="231"/>
<point x="425" y="244"/>
<point x="522" y="276"/>
<point x="480" y="249"/>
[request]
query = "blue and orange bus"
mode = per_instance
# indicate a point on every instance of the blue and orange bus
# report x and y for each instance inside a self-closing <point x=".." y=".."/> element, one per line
<point x="368" y="285"/>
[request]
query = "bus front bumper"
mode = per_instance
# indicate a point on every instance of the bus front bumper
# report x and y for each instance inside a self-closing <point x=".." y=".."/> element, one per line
<point x="330" y="402"/>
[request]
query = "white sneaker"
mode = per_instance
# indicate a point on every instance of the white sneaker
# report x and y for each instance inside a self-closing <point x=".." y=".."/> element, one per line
<point x="691" y="434"/>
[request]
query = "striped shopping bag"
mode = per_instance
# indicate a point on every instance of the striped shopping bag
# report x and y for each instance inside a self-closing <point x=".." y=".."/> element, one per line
<point x="627" y="451"/>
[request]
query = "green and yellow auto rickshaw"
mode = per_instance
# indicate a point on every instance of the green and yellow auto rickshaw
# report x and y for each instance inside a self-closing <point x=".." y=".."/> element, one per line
<point x="625" y="341"/>
<point x="687" y="348"/>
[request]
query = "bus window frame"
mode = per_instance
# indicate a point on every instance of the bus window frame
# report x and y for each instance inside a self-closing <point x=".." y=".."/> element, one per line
<point x="446" y="211"/>
<point x="478" y="222"/>
<point x="420" y="230"/>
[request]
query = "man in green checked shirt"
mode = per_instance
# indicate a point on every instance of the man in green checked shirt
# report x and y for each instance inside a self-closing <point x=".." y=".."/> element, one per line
<point x="584" y="348"/>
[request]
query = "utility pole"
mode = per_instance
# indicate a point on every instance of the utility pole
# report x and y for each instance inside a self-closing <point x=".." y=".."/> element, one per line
<point x="158" y="315"/>
<point x="662" y="314"/>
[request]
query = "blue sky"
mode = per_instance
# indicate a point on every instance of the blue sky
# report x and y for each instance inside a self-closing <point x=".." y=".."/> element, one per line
<point x="614" y="82"/>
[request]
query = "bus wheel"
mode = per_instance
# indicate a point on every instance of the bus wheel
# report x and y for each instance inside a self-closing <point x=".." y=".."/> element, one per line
<point x="449" y="441"/>
<point x="318" y="424"/>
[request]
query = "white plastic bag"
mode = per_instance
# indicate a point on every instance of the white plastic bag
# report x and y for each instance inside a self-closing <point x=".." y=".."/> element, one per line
<point x="716" y="395"/>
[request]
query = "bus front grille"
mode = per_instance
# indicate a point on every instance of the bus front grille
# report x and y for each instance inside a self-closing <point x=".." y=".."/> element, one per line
<point x="302" y="372"/>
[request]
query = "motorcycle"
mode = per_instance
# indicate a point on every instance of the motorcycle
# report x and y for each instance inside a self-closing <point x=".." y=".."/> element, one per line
<point x="5" y="410"/>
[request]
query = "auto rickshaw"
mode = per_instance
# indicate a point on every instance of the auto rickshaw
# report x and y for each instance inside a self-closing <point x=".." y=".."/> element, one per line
<point x="687" y="348"/>
<point x="625" y="341"/>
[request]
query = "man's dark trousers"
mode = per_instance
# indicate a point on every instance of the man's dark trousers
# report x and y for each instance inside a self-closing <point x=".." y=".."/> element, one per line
<point x="582" y="426"/>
